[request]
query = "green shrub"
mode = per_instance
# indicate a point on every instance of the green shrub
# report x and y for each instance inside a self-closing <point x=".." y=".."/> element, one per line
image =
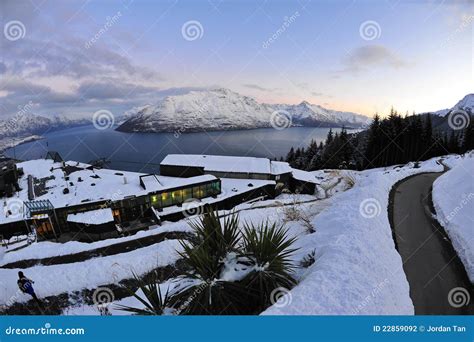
<point x="154" y="303"/>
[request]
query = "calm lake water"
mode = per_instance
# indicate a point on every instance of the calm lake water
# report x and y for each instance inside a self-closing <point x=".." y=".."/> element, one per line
<point x="144" y="151"/>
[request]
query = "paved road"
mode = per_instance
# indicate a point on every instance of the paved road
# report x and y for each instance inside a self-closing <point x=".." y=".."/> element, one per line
<point x="430" y="262"/>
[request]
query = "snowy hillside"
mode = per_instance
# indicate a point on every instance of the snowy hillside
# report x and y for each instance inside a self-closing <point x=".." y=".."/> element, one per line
<point x="222" y="109"/>
<point x="466" y="104"/>
<point x="307" y="114"/>
<point x="30" y="124"/>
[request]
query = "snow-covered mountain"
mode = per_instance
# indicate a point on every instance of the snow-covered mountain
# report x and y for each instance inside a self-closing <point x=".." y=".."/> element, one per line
<point x="466" y="104"/>
<point x="223" y="109"/>
<point x="307" y="114"/>
<point x="27" y="124"/>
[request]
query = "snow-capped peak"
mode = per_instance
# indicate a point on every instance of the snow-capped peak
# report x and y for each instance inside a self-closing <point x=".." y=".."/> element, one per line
<point x="221" y="108"/>
<point x="466" y="104"/>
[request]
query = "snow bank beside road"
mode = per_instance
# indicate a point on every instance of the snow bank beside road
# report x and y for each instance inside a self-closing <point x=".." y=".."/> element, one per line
<point x="453" y="199"/>
<point x="357" y="270"/>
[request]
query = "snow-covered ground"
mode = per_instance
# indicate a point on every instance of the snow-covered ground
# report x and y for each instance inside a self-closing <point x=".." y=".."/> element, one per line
<point x="47" y="249"/>
<point x="89" y="274"/>
<point x="357" y="268"/>
<point x="453" y="199"/>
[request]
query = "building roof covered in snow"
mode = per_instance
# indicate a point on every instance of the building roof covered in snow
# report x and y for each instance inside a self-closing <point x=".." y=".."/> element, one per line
<point x="72" y="183"/>
<point x="227" y="164"/>
<point x="96" y="217"/>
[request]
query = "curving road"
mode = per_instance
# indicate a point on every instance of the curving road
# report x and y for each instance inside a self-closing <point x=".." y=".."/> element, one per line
<point x="430" y="262"/>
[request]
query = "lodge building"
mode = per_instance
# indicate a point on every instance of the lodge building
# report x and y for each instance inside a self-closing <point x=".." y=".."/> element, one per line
<point x="76" y="201"/>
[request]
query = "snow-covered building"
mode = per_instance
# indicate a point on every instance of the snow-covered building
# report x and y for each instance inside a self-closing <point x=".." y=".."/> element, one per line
<point x="73" y="200"/>
<point x="58" y="197"/>
<point x="191" y="165"/>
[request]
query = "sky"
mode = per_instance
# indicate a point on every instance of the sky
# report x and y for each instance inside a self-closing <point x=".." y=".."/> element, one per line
<point x="76" y="57"/>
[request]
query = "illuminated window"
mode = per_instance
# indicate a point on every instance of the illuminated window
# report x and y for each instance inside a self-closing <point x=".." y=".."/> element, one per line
<point x="166" y="199"/>
<point x="187" y="194"/>
<point x="196" y="192"/>
<point x="177" y="196"/>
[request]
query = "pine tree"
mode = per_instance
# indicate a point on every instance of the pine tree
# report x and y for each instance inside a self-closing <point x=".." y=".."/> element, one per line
<point x="468" y="137"/>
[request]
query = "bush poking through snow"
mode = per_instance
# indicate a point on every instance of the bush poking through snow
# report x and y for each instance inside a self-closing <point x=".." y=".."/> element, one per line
<point x="268" y="249"/>
<point x="154" y="301"/>
<point x="350" y="179"/>
<point x="233" y="272"/>
<point x="296" y="213"/>
<point x="309" y="259"/>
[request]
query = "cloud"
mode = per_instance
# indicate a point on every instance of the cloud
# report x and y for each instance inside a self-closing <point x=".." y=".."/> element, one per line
<point x="260" y="88"/>
<point x="369" y="56"/>
<point x="112" y="90"/>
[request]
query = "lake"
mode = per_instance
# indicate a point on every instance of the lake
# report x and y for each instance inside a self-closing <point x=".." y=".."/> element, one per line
<point x="143" y="152"/>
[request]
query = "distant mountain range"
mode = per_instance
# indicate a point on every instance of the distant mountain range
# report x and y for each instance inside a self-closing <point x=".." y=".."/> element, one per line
<point x="223" y="109"/>
<point x="27" y="124"/>
<point x="218" y="109"/>
<point x="441" y="119"/>
<point x="466" y="104"/>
